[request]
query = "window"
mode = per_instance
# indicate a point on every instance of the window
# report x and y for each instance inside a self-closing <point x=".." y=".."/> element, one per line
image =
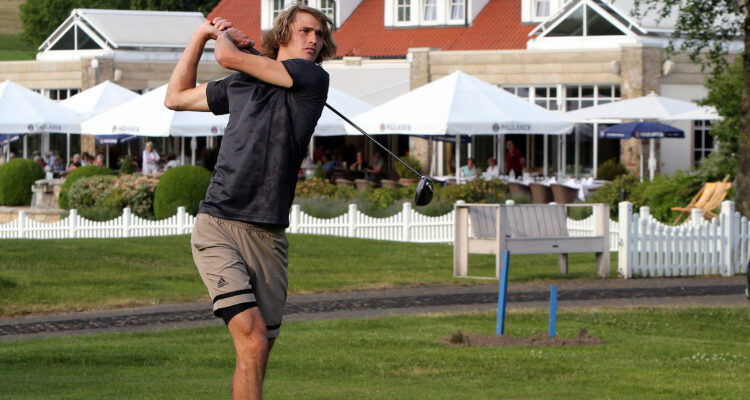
<point x="541" y="8"/>
<point x="703" y="141"/>
<point x="546" y="97"/>
<point x="278" y="7"/>
<point x="457" y="9"/>
<point x="430" y="10"/>
<point x="404" y="11"/>
<point x="328" y="8"/>
<point x="61" y="94"/>
<point x="585" y="21"/>
<point x="582" y="96"/>
<point x="543" y="96"/>
<point x="520" y="91"/>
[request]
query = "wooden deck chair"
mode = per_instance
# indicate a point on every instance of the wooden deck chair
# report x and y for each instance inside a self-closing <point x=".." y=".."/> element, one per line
<point x="707" y="199"/>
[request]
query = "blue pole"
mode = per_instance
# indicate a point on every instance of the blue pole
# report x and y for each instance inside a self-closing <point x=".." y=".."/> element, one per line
<point x="552" y="310"/>
<point x="502" y="293"/>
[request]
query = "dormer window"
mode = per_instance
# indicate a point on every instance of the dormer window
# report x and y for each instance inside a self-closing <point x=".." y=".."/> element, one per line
<point x="430" y="10"/>
<point x="541" y="8"/>
<point x="414" y="13"/>
<point x="458" y="10"/>
<point x="328" y="8"/>
<point x="404" y="10"/>
<point x="278" y="7"/>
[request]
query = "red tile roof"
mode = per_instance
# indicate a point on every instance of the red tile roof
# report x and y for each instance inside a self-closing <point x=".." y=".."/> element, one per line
<point x="244" y="15"/>
<point x="497" y="27"/>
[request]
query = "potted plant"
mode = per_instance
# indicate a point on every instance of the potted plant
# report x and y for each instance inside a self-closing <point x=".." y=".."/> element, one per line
<point x="407" y="176"/>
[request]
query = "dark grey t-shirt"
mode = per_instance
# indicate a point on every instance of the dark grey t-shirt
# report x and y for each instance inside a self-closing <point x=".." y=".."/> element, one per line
<point x="265" y="141"/>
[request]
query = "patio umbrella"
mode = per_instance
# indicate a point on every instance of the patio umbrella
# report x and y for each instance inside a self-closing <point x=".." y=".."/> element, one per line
<point x="329" y="123"/>
<point x="461" y="104"/>
<point x="25" y="111"/>
<point x="643" y="130"/>
<point x="146" y="115"/>
<point x="96" y="100"/>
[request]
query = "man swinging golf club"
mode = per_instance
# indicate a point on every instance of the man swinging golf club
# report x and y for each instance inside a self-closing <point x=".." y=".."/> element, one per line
<point x="274" y="102"/>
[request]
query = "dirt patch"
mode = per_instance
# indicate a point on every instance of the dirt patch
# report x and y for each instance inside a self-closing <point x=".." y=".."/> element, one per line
<point x="459" y="339"/>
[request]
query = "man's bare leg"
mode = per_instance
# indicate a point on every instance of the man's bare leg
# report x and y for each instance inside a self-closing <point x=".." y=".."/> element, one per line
<point x="252" y="347"/>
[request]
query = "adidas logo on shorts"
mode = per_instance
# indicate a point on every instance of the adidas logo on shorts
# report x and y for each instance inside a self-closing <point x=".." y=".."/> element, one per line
<point x="222" y="282"/>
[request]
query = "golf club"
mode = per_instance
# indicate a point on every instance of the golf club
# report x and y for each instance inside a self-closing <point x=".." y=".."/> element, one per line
<point x="425" y="189"/>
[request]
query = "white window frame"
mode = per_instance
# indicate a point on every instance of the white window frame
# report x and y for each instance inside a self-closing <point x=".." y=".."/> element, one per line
<point x="702" y="128"/>
<point x="435" y="5"/>
<point x="449" y="11"/>
<point x="596" y="99"/>
<point x="535" y="9"/>
<point x="332" y="9"/>
<point x="397" y="7"/>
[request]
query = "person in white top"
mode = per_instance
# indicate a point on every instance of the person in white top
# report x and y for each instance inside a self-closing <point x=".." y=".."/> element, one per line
<point x="150" y="160"/>
<point x="493" y="170"/>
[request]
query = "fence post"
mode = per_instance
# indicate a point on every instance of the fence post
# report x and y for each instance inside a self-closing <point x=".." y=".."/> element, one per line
<point x="728" y="222"/>
<point x="352" y="220"/>
<point x="406" y="214"/>
<point x="22" y="224"/>
<point x="126" y="222"/>
<point x="294" y="220"/>
<point x="73" y="223"/>
<point x="696" y="216"/>
<point x="180" y="220"/>
<point x="625" y="214"/>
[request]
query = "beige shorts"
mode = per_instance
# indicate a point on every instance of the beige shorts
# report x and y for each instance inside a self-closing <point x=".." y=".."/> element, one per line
<point x="242" y="263"/>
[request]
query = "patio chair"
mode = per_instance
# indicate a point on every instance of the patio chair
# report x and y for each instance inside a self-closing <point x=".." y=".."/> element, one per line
<point x="540" y="194"/>
<point x="563" y="194"/>
<point x="517" y="188"/>
<point x="707" y="199"/>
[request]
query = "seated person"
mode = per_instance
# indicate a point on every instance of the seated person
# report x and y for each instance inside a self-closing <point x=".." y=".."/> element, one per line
<point x="359" y="164"/>
<point x="74" y="163"/>
<point x="493" y="170"/>
<point x="377" y="168"/>
<point x="469" y="170"/>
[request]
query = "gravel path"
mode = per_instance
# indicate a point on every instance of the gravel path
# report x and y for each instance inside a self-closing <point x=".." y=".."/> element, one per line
<point x="400" y="301"/>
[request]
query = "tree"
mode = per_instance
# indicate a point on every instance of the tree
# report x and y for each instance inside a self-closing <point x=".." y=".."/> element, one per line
<point x="704" y="30"/>
<point x="40" y="18"/>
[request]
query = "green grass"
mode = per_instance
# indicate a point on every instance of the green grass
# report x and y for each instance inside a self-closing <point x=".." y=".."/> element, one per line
<point x="11" y="49"/>
<point x="650" y="353"/>
<point x="42" y="276"/>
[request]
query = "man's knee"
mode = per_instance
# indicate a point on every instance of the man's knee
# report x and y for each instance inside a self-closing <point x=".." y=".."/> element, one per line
<point x="249" y="333"/>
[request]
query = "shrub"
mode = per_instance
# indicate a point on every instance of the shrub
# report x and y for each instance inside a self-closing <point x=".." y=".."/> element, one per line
<point x="319" y="172"/>
<point x="665" y="192"/>
<point x="76" y="174"/>
<point x="323" y="207"/>
<point x="185" y="186"/>
<point x="403" y="171"/>
<point x="17" y="176"/>
<point x="318" y="187"/>
<point x="137" y="192"/>
<point x="88" y="192"/>
<point x="126" y="165"/>
<point x="611" y="193"/>
<point x="610" y="169"/>
<point x="475" y="191"/>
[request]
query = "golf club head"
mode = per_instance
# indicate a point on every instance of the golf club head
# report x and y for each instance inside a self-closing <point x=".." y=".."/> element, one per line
<point x="424" y="193"/>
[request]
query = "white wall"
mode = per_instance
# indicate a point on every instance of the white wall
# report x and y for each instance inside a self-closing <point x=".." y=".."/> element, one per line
<point x="373" y="81"/>
<point x="678" y="153"/>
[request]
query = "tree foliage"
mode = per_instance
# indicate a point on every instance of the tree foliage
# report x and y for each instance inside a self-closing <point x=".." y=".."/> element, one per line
<point x="41" y="17"/>
<point x="704" y="28"/>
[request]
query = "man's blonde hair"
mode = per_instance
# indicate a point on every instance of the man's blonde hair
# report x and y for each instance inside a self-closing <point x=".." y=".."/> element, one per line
<point x="281" y="32"/>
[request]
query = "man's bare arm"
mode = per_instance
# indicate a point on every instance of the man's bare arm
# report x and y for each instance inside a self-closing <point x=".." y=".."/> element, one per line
<point x="182" y="94"/>
<point x="229" y="56"/>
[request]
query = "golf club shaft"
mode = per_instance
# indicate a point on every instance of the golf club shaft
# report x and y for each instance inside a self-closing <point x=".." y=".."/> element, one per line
<point x="257" y="53"/>
<point x="373" y="139"/>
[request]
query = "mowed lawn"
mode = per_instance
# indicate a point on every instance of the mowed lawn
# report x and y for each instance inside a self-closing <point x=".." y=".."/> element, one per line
<point x="679" y="353"/>
<point x="43" y="276"/>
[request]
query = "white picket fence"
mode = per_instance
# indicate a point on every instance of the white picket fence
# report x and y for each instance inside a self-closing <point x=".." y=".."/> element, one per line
<point x="649" y="248"/>
<point x="645" y="246"/>
<point x="75" y="226"/>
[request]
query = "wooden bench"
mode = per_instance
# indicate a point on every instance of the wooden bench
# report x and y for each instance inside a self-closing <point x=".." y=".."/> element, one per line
<point x="526" y="229"/>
